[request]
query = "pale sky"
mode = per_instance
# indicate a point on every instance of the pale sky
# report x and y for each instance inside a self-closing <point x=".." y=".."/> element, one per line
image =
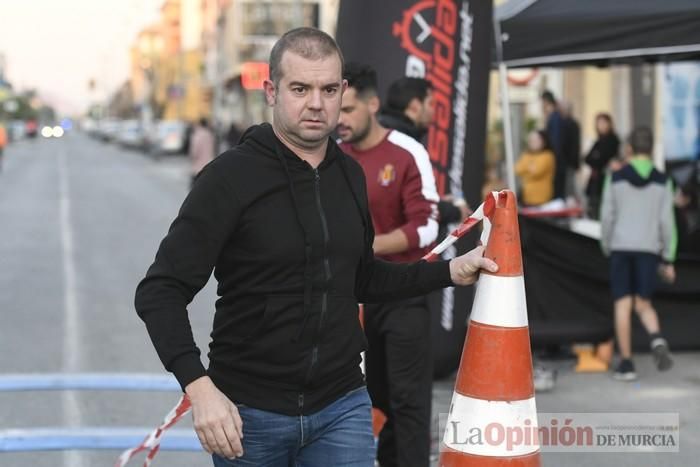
<point x="57" y="46"/>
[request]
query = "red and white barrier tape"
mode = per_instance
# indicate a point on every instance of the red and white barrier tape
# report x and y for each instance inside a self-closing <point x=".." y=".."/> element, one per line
<point x="152" y="440"/>
<point x="481" y="213"/>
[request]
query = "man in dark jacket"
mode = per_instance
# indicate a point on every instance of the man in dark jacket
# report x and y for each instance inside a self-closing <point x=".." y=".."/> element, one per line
<point x="409" y="107"/>
<point x="572" y="149"/>
<point x="402" y="202"/>
<point x="564" y="134"/>
<point x="556" y="133"/>
<point x="282" y="220"/>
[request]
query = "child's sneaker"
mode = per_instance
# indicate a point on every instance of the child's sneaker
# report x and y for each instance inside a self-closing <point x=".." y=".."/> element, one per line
<point x="661" y="353"/>
<point x="625" y="371"/>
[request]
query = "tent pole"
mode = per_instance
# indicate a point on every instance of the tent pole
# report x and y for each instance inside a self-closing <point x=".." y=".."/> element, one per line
<point x="505" y="108"/>
<point x="507" y="130"/>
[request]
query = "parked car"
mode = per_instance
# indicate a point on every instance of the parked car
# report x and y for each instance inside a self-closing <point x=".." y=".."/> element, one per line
<point x="89" y="126"/>
<point x="31" y="128"/>
<point x="107" y="129"/>
<point x="131" y="135"/>
<point x="16" y="130"/>
<point x="170" y="137"/>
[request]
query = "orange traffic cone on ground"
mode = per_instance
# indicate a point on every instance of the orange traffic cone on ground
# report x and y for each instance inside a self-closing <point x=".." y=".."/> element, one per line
<point x="493" y="417"/>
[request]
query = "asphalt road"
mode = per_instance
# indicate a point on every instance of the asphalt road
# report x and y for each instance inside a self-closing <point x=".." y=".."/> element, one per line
<point x="80" y="222"/>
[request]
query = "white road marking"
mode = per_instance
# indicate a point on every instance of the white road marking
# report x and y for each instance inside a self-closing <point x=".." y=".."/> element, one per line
<point x="71" y="332"/>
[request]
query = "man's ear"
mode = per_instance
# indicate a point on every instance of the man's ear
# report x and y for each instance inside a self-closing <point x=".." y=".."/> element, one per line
<point x="374" y="104"/>
<point x="270" y="92"/>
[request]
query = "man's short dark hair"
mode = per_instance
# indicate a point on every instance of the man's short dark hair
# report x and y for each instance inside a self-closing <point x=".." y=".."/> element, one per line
<point x="404" y="90"/>
<point x="310" y="43"/>
<point x="548" y="96"/>
<point x="362" y="78"/>
<point x="642" y="140"/>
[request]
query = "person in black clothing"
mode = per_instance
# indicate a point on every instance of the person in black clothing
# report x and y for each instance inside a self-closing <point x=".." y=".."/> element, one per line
<point x="283" y="221"/>
<point x="233" y="135"/>
<point x="409" y="108"/>
<point x="572" y="149"/>
<point x="556" y="134"/>
<point x="605" y="149"/>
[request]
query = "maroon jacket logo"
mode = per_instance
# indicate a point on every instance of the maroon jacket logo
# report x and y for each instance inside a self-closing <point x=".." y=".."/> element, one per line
<point x="387" y="175"/>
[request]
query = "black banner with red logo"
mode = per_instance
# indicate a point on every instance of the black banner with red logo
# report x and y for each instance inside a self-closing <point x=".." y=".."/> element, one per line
<point x="447" y="42"/>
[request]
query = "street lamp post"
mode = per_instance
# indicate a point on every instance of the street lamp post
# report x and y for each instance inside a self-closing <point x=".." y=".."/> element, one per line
<point x="217" y="97"/>
<point x="150" y="46"/>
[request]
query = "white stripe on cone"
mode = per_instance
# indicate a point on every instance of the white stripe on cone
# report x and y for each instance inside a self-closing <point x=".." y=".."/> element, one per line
<point x="506" y="428"/>
<point x="500" y="301"/>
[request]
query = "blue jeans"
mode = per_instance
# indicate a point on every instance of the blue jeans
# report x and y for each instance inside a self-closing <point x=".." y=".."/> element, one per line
<point x="338" y="435"/>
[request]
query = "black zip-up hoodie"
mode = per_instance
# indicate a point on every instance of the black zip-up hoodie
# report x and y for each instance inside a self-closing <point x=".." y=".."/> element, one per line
<point x="291" y="249"/>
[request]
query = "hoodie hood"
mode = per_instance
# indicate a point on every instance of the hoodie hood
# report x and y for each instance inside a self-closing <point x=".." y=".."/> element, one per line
<point x="640" y="171"/>
<point x="263" y="140"/>
<point x="643" y="166"/>
<point x="398" y="121"/>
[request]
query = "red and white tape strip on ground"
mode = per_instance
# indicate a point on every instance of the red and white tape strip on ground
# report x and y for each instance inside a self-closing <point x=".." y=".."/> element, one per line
<point x="152" y="440"/>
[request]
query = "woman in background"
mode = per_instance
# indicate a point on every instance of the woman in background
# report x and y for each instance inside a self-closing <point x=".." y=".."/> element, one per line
<point x="604" y="150"/>
<point x="536" y="168"/>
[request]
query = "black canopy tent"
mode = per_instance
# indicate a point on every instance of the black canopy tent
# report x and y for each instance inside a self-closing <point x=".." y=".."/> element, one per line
<point x="532" y="33"/>
<point x="567" y="282"/>
<point x="566" y="32"/>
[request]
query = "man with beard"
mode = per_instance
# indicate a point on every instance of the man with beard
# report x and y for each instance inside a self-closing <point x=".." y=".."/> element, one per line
<point x="402" y="201"/>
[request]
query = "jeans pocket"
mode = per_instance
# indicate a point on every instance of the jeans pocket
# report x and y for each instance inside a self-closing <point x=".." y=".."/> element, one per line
<point x="220" y="461"/>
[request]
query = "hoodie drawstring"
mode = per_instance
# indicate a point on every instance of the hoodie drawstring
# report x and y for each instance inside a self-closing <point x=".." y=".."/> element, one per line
<point x="308" y="278"/>
<point x="344" y="169"/>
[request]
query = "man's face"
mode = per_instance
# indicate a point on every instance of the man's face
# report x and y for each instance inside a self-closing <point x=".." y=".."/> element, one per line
<point x="427" y="111"/>
<point x="547" y="107"/>
<point x="306" y="101"/>
<point x="356" y="116"/>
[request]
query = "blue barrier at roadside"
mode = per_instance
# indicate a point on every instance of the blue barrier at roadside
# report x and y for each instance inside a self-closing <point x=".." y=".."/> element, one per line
<point x="50" y="439"/>
<point x="88" y="381"/>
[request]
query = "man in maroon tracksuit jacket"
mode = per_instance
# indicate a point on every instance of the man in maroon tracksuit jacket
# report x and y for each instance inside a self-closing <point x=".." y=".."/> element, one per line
<point x="403" y="204"/>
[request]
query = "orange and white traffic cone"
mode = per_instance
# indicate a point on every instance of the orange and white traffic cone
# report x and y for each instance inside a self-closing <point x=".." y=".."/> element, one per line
<point x="493" y="417"/>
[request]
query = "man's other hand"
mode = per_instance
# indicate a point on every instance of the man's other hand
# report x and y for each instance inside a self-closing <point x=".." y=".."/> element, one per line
<point x="216" y="420"/>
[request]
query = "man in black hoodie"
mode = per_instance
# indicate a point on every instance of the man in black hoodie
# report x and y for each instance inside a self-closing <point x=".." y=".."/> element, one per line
<point x="282" y="220"/>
